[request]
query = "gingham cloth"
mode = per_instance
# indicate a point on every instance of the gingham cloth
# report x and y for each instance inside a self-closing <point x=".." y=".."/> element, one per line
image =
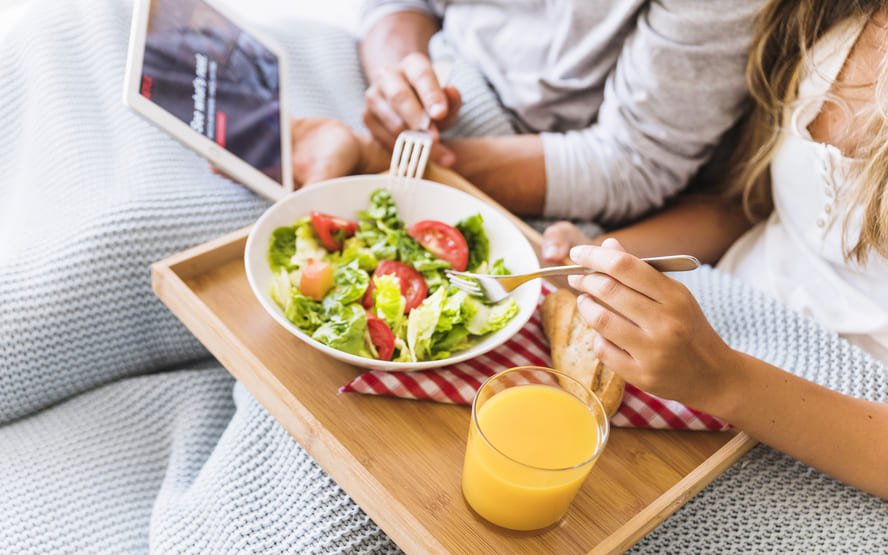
<point x="457" y="383"/>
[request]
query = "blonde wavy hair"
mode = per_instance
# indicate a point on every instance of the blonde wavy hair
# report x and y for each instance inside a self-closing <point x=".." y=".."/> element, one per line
<point x="785" y="31"/>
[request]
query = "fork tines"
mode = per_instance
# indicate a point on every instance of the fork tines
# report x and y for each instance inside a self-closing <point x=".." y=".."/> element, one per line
<point x="465" y="283"/>
<point x="411" y="154"/>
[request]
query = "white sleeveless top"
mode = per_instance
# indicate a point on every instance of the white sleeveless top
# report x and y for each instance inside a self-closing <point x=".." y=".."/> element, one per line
<point x="797" y="254"/>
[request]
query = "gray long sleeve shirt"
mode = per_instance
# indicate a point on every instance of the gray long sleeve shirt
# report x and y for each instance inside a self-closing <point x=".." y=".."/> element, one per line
<point x="630" y="96"/>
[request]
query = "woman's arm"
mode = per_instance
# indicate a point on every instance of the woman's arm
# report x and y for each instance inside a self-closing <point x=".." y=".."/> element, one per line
<point x="700" y="225"/>
<point x="653" y="333"/>
<point x="844" y="437"/>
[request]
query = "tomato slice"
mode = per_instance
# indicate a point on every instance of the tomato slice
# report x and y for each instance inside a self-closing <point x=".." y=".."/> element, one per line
<point x="316" y="280"/>
<point x="413" y="286"/>
<point x="442" y="240"/>
<point x="381" y="336"/>
<point x="332" y="231"/>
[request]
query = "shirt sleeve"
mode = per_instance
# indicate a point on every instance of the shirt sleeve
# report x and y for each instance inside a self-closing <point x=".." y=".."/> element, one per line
<point x="374" y="10"/>
<point x="678" y="85"/>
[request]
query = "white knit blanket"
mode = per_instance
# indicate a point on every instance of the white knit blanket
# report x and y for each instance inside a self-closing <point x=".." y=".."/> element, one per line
<point x="120" y="435"/>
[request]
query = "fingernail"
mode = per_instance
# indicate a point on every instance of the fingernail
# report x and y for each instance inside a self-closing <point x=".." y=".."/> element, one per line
<point x="447" y="159"/>
<point x="438" y="110"/>
<point x="575" y="281"/>
<point x="577" y="252"/>
<point x="551" y="250"/>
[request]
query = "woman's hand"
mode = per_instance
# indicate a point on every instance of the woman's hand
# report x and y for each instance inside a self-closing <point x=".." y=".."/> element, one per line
<point x="651" y="329"/>
<point x="559" y="238"/>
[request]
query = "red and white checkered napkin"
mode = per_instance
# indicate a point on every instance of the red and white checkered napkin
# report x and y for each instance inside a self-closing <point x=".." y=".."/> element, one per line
<point x="457" y="383"/>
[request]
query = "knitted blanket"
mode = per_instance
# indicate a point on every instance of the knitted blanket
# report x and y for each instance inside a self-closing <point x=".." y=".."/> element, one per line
<point x="119" y="434"/>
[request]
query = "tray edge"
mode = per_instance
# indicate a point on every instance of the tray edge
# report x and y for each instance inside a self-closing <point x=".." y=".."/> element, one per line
<point x="205" y="325"/>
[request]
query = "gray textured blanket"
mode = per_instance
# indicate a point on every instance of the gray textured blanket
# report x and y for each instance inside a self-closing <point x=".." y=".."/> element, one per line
<point x="119" y="434"/>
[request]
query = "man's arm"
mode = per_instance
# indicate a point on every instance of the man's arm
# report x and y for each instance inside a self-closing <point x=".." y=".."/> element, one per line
<point x="510" y="169"/>
<point x="392" y="35"/>
<point x="677" y="87"/>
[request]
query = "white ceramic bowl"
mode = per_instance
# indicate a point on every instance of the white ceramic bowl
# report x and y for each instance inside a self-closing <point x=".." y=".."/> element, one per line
<point x="421" y="200"/>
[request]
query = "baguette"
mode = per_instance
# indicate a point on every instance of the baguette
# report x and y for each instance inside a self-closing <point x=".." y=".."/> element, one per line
<point x="571" y="341"/>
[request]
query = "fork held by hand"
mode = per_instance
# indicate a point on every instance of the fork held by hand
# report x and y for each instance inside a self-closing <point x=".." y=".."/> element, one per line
<point x="411" y="154"/>
<point x="496" y="288"/>
<point x="412" y="147"/>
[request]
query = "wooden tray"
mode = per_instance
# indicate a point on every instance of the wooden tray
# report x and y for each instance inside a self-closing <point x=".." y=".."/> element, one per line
<point x="401" y="460"/>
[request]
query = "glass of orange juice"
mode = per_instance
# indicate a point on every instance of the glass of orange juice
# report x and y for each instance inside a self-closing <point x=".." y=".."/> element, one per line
<point x="535" y="435"/>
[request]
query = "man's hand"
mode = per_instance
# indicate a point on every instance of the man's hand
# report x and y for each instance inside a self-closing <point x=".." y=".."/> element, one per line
<point x="408" y="96"/>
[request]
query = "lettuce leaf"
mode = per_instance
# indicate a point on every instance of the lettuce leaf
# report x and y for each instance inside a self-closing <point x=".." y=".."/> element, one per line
<point x="499" y="268"/>
<point x="451" y="311"/>
<point x="444" y="344"/>
<point x="421" y="323"/>
<point x="472" y="229"/>
<point x="282" y="288"/>
<point x="382" y="208"/>
<point x="403" y="353"/>
<point x="307" y="245"/>
<point x="350" y="283"/>
<point x="380" y="228"/>
<point x="355" y="249"/>
<point x="308" y="315"/>
<point x="281" y="248"/>
<point x="482" y="319"/>
<point x="389" y="300"/>
<point x="344" y="329"/>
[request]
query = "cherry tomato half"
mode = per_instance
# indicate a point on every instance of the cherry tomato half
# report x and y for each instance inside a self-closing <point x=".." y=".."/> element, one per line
<point x="381" y="336"/>
<point x="316" y="280"/>
<point x="442" y="240"/>
<point x="332" y="231"/>
<point x="413" y="287"/>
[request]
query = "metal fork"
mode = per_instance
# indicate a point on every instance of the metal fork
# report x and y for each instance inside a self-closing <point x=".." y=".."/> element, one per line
<point x="496" y="288"/>
<point x="411" y="154"/>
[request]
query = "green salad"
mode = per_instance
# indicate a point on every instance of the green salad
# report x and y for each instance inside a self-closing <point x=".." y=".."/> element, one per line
<point x="377" y="288"/>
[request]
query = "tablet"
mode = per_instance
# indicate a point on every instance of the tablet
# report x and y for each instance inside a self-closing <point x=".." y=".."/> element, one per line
<point x="218" y="88"/>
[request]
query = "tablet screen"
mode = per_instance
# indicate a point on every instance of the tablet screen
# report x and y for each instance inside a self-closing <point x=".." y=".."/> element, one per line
<point x="218" y="79"/>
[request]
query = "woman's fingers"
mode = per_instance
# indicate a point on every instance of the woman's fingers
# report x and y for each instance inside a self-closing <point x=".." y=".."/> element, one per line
<point x="610" y="325"/>
<point x="624" y="300"/>
<point x="558" y="239"/>
<point x="625" y="268"/>
<point x="614" y="357"/>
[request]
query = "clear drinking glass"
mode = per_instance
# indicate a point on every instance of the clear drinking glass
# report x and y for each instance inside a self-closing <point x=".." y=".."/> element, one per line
<point x="534" y="436"/>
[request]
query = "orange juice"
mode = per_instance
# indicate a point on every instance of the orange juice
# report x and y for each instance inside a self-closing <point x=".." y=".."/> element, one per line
<point x="536" y="445"/>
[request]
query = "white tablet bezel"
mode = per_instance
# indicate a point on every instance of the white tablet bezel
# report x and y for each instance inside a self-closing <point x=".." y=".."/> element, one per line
<point x="221" y="158"/>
